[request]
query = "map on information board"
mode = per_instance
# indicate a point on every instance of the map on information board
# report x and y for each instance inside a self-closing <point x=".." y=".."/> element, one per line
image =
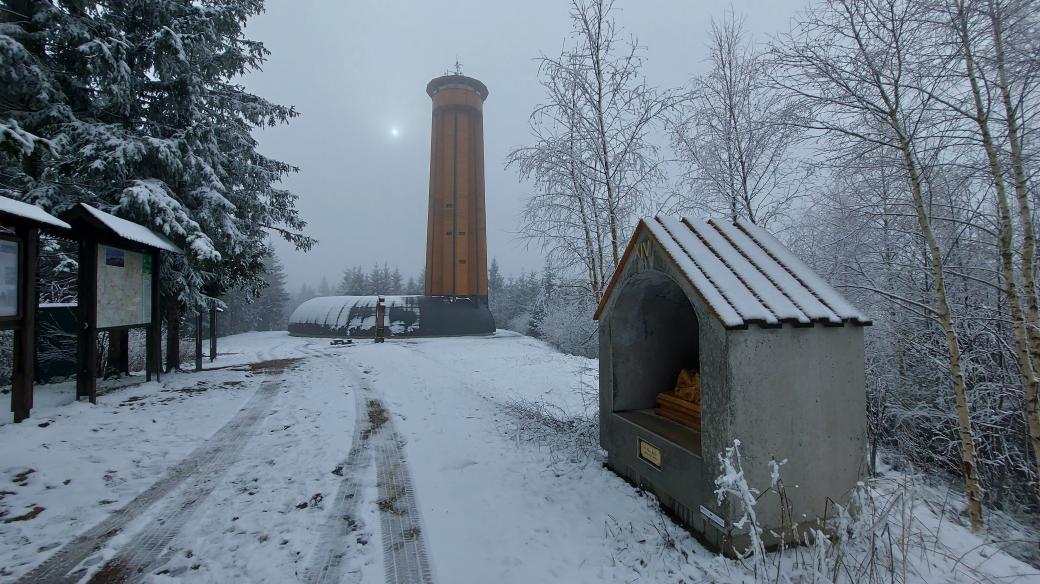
<point x="124" y="287"/>
<point x="8" y="278"/>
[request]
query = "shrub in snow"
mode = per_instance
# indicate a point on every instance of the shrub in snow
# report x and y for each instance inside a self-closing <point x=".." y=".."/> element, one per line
<point x="732" y="486"/>
<point x="6" y="357"/>
<point x="892" y="530"/>
<point x="571" y="434"/>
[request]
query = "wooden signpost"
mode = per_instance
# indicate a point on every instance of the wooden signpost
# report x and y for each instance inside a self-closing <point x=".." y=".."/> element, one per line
<point x="19" y="247"/>
<point x="119" y="265"/>
<point x="212" y="333"/>
<point x="198" y="340"/>
<point x="380" y="318"/>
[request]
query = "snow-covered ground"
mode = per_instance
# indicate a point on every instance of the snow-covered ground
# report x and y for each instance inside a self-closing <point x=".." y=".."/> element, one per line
<point x="350" y="464"/>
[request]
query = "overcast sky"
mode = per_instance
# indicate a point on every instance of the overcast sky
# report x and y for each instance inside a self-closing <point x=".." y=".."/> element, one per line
<point x="357" y="72"/>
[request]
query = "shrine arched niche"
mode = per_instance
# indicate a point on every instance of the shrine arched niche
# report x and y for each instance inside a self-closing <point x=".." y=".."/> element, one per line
<point x="654" y="335"/>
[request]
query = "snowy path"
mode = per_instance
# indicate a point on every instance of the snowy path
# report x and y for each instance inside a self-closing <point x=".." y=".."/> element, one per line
<point x="367" y="463"/>
<point x="404" y="546"/>
<point x="404" y="549"/>
<point x="203" y="466"/>
<point x="329" y="555"/>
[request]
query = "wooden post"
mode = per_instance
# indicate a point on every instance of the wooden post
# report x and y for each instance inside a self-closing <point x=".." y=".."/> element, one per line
<point x="86" y="376"/>
<point x="380" y="314"/>
<point x="198" y="340"/>
<point x="173" y="337"/>
<point x="154" y="342"/>
<point x="25" y="335"/>
<point x="212" y="333"/>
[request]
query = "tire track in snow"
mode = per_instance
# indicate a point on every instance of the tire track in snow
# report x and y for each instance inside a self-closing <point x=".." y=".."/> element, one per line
<point x="404" y="543"/>
<point x="134" y="560"/>
<point x="203" y="461"/>
<point x="330" y="552"/>
<point x="405" y="560"/>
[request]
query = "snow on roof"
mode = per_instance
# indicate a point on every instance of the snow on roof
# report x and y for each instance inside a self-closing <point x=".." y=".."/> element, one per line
<point x="132" y="231"/>
<point x="746" y="275"/>
<point x="30" y="212"/>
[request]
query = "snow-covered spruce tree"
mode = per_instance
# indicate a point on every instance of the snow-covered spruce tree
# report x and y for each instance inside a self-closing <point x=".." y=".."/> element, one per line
<point x="305" y="293"/>
<point x="265" y="308"/>
<point x="323" y="288"/>
<point x="31" y="103"/>
<point x="496" y="284"/>
<point x="135" y="109"/>
<point x="273" y="302"/>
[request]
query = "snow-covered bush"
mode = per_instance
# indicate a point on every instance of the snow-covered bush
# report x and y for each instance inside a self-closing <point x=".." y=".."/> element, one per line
<point x="565" y="322"/>
<point x="137" y="350"/>
<point x="54" y="345"/>
<point x="732" y="485"/>
<point x="570" y="434"/>
<point x="6" y="357"/>
<point x="894" y="529"/>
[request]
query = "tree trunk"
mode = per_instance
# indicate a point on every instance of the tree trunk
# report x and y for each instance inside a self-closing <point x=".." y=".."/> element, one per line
<point x="604" y="150"/>
<point x="1025" y="218"/>
<point x="1020" y="328"/>
<point x="971" y="481"/>
<point x="118" y="352"/>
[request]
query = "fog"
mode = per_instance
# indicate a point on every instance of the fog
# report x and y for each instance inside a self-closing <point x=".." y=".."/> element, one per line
<point x="357" y="73"/>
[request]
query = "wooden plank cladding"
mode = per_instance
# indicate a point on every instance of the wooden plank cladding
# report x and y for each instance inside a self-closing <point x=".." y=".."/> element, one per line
<point x="456" y="241"/>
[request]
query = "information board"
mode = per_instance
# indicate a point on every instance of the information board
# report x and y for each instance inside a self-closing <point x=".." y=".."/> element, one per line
<point x="8" y="278"/>
<point x="124" y="287"/>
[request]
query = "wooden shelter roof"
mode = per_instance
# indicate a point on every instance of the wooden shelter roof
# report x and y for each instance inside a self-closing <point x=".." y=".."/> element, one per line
<point x="120" y="228"/>
<point x="744" y="274"/>
<point x="19" y="211"/>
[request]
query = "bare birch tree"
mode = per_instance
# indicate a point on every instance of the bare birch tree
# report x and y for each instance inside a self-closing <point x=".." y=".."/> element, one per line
<point x="1013" y="30"/>
<point x="563" y="213"/>
<point x="979" y="94"/>
<point x="733" y="137"/>
<point x="593" y="164"/>
<point x="850" y="64"/>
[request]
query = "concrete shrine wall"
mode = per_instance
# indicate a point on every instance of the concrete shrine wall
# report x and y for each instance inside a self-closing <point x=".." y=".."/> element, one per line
<point x="797" y="393"/>
<point x="787" y="391"/>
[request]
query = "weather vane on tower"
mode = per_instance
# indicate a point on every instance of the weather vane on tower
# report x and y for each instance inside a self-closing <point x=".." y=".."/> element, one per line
<point x="458" y="68"/>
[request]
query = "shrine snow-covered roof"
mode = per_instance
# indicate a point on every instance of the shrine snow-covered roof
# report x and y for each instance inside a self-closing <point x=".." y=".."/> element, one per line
<point x="745" y="275"/>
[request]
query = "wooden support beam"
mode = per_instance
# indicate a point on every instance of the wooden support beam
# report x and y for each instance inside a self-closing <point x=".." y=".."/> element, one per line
<point x="25" y="335"/>
<point x="86" y="375"/>
<point x="212" y="333"/>
<point x="198" y="340"/>
<point x="154" y="342"/>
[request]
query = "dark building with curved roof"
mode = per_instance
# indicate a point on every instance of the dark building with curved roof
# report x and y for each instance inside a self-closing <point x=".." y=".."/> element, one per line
<point x="406" y="316"/>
